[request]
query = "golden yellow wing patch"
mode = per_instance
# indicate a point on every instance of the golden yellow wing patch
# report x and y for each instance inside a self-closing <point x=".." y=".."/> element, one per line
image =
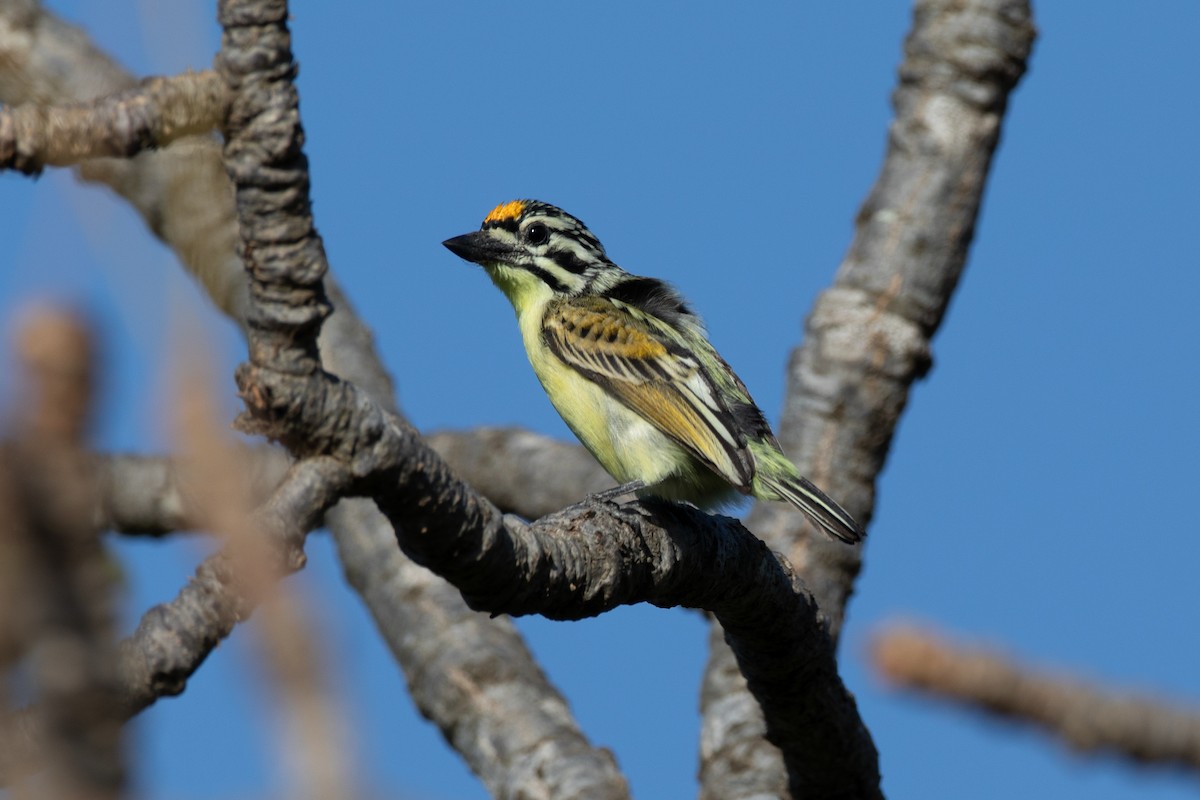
<point x="645" y="371"/>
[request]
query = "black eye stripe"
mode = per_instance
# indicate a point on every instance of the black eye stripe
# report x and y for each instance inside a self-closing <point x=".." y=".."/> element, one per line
<point x="568" y="261"/>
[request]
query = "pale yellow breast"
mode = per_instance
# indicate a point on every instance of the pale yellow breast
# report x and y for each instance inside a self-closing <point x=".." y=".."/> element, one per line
<point x="626" y="445"/>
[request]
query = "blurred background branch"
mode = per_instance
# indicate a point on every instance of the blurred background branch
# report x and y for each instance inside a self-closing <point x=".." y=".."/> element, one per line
<point x="1087" y="717"/>
<point x="57" y="583"/>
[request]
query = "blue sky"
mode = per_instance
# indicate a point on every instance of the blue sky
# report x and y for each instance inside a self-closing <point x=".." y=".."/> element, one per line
<point x="1039" y="495"/>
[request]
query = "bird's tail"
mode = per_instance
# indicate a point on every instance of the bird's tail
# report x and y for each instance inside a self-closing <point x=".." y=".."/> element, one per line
<point x="800" y="492"/>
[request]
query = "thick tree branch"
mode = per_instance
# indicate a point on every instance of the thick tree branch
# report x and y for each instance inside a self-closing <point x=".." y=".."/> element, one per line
<point x="526" y="473"/>
<point x="283" y="328"/>
<point x="1088" y="718"/>
<point x="522" y="472"/>
<point x="590" y="558"/>
<point x="160" y="111"/>
<point x="184" y="196"/>
<point x="286" y="264"/>
<point x="868" y="337"/>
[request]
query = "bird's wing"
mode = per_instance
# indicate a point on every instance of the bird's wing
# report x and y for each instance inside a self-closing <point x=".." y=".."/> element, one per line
<point x="655" y="377"/>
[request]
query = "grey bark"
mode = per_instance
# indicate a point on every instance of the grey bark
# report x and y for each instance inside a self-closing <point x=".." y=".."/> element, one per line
<point x="868" y="337"/>
<point x="185" y="199"/>
<point x="581" y="562"/>
<point x="868" y="340"/>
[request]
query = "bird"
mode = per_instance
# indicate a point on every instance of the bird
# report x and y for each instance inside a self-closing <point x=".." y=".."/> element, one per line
<point x="630" y="369"/>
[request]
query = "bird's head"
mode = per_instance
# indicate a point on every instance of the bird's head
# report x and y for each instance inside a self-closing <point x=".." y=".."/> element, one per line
<point x="529" y="247"/>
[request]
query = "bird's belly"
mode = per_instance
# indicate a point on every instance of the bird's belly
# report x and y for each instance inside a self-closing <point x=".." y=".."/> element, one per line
<point x="627" y="446"/>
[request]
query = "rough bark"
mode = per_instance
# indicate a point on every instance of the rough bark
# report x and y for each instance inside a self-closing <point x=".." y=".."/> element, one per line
<point x="184" y="196"/>
<point x="868" y="341"/>
<point x="161" y="110"/>
<point x="579" y="563"/>
<point x="868" y="337"/>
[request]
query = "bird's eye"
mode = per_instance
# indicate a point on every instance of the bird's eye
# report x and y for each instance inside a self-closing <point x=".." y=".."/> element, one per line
<point x="537" y="233"/>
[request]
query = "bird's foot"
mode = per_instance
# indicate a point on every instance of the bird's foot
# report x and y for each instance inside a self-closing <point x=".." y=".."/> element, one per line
<point x="609" y="496"/>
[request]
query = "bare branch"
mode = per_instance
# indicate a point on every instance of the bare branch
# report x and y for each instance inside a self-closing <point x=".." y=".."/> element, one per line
<point x="1088" y="718"/>
<point x="152" y="495"/>
<point x="589" y="559"/>
<point x="520" y="471"/>
<point x="868" y="337"/>
<point x="174" y="638"/>
<point x="313" y="734"/>
<point x="275" y="226"/>
<point x="471" y="674"/>
<point x="160" y="111"/>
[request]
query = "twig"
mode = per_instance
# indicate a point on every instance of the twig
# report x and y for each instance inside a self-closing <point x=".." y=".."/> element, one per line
<point x="158" y="112"/>
<point x="1089" y="718"/>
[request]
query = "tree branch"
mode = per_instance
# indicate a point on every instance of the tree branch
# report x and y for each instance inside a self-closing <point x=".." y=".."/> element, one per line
<point x="868" y="337"/>
<point x="282" y="387"/>
<point x="1088" y="718"/>
<point x="526" y="473"/>
<point x="520" y="471"/>
<point x="142" y="495"/>
<point x="160" y="111"/>
<point x="184" y="196"/>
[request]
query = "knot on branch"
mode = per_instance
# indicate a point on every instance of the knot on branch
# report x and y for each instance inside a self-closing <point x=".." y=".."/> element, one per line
<point x="316" y="414"/>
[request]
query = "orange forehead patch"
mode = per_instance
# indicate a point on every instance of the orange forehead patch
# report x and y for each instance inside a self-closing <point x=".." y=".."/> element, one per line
<point x="505" y="211"/>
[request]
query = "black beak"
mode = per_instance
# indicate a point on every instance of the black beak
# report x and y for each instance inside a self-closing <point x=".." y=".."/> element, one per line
<point x="478" y="247"/>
